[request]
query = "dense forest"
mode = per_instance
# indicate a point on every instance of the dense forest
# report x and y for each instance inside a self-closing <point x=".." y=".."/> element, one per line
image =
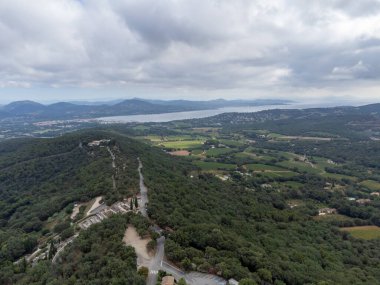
<point x="224" y="228"/>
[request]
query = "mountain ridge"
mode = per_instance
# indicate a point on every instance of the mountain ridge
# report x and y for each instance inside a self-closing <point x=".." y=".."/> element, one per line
<point x="135" y="106"/>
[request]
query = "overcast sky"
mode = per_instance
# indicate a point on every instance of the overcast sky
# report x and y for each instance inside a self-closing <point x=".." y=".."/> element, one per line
<point x="201" y="49"/>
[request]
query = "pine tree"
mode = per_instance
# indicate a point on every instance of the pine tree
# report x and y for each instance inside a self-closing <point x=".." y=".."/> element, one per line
<point x="136" y="203"/>
<point x="23" y="265"/>
<point x="52" y="250"/>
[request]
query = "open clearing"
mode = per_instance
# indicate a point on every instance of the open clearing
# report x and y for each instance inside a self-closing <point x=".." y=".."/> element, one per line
<point x="180" y="153"/>
<point x="265" y="167"/>
<point x="94" y="205"/>
<point x="205" y="165"/>
<point x="219" y="151"/>
<point x="333" y="218"/>
<point x="371" y="185"/>
<point x="307" y="138"/>
<point x="132" y="238"/>
<point x="76" y="210"/>
<point x="364" y="232"/>
<point x="186" y="144"/>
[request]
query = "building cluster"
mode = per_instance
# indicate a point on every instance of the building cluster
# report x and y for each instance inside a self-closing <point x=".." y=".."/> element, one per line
<point x="167" y="280"/>
<point x="327" y="211"/>
<point x="98" y="142"/>
<point x="363" y="201"/>
<point x="103" y="211"/>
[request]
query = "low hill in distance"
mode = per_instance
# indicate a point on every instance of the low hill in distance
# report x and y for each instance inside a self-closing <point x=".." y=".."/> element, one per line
<point x="64" y="110"/>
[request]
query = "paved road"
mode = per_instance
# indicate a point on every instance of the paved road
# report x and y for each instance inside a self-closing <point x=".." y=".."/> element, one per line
<point x="62" y="246"/>
<point x="192" y="278"/>
<point x="113" y="157"/>
<point x="143" y="191"/>
<point x="155" y="264"/>
<point x="197" y="278"/>
<point x="158" y="263"/>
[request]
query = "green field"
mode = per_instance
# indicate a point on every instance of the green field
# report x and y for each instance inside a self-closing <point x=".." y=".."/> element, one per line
<point x="292" y="184"/>
<point x="255" y="156"/>
<point x="232" y="143"/>
<point x="300" y="165"/>
<point x="333" y="218"/>
<point x="338" y="176"/>
<point x="364" y="232"/>
<point x="371" y="185"/>
<point x="219" y="151"/>
<point x="204" y="165"/>
<point x="264" y="167"/>
<point x="197" y="152"/>
<point x="287" y="174"/>
<point x="185" y="144"/>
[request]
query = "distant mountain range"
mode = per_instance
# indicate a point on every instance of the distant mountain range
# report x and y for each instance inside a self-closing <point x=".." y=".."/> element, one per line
<point x="65" y="110"/>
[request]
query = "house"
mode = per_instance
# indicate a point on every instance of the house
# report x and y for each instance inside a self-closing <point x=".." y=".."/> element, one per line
<point x="167" y="280"/>
<point x="375" y="194"/>
<point x="98" y="143"/>
<point x="233" y="282"/>
<point x="326" y="211"/>
<point x="363" y="201"/>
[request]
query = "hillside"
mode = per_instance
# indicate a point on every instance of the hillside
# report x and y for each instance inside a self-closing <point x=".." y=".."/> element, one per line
<point x="63" y="110"/>
<point x="41" y="181"/>
<point x="243" y="230"/>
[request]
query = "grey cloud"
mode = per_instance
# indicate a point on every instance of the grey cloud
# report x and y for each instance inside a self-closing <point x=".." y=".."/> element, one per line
<point x="360" y="8"/>
<point x="200" y="45"/>
<point x="162" y="22"/>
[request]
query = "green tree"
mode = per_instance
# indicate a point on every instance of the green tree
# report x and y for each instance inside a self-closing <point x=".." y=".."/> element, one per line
<point x="265" y="274"/>
<point x="23" y="265"/>
<point x="143" y="271"/>
<point x="186" y="263"/>
<point x="136" y="203"/>
<point x="247" y="281"/>
<point x="52" y="250"/>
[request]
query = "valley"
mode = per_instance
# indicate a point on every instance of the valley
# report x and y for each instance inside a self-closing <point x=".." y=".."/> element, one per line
<point x="267" y="197"/>
<point x="189" y="142"/>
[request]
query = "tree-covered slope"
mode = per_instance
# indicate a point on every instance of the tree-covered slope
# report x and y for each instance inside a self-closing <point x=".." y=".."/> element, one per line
<point x="97" y="256"/>
<point x="40" y="178"/>
<point x="236" y="232"/>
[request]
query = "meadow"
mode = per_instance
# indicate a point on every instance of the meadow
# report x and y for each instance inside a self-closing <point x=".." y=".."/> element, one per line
<point x="364" y="232"/>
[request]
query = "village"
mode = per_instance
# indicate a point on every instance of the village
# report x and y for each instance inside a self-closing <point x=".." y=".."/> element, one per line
<point x="103" y="211"/>
<point x="97" y="213"/>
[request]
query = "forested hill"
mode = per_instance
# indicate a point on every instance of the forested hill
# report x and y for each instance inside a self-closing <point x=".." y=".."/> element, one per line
<point x="342" y="121"/>
<point x="372" y="110"/>
<point x="31" y="110"/>
<point x="41" y="179"/>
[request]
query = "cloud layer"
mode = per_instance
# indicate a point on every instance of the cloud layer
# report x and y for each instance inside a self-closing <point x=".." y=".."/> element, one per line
<point x="196" y="45"/>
